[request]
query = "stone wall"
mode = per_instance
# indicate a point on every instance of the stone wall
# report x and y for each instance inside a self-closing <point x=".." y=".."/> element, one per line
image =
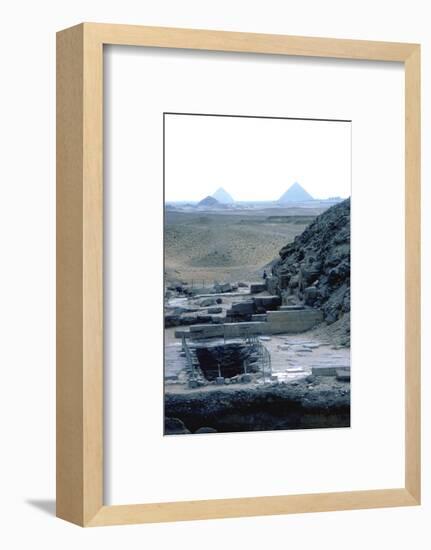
<point x="278" y="322"/>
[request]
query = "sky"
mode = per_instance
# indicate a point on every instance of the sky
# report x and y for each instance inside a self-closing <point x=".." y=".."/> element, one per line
<point x="255" y="158"/>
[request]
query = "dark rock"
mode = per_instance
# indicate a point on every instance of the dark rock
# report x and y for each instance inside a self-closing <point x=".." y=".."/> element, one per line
<point x="206" y="430"/>
<point x="177" y="287"/>
<point x="180" y="309"/>
<point x="172" y="320"/>
<point x="205" y="302"/>
<point x="310" y="295"/>
<point x="175" y="426"/>
<point x="265" y="407"/>
<point x="188" y="320"/>
<point x="255" y="288"/>
<point x="217" y="320"/>
<point x="294" y="281"/>
<point x="267" y="303"/>
<point x="272" y="284"/>
<point x="223" y="287"/>
<point x="215" y="309"/>
<point x="204" y="318"/>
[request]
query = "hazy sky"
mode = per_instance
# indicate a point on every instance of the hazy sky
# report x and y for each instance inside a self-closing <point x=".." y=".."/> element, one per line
<point x="255" y="158"/>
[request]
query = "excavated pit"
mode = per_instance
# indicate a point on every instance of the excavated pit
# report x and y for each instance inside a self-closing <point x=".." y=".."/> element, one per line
<point x="226" y="360"/>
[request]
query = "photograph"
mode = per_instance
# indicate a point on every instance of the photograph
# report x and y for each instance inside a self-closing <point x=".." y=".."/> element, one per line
<point x="256" y="273"/>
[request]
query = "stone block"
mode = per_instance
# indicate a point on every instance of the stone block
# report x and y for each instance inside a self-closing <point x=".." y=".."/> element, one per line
<point x="188" y="319"/>
<point x="206" y="331"/>
<point x="326" y="370"/>
<point x="323" y="370"/>
<point x="182" y="332"/>
<point x="228" y="330"/>
<point x="267" y="302"/>
<point x="293" y="321"/>
<point x="242" y="308"/>
<point x="259" y="317"/>
<point x="216" y="320"/>
<point x="343" y="374"/>
<point x="236" y="330"/>
<point x="255" y="288"/>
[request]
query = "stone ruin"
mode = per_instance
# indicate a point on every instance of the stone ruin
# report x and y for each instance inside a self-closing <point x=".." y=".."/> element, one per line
<point x="229" y="360"/>
<point x="224" y="362"/>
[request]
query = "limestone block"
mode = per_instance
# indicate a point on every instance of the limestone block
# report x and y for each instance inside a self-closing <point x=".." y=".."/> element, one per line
<point x="255" y="288"/>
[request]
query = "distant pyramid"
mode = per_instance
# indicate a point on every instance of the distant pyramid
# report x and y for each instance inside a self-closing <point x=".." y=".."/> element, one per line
<point x="223" y="196"/>
<point x="295" y="193"/>
<point x="209" y="201"/>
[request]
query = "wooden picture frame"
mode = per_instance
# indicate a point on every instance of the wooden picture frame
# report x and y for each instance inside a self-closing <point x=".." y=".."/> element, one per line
<point x="80" y="273"/>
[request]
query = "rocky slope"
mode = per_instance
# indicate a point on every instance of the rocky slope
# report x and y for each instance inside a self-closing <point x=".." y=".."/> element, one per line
<point x="315" y="267"/>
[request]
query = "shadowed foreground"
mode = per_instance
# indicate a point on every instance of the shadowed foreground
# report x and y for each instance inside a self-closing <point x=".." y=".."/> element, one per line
<point x="315" y="402"/>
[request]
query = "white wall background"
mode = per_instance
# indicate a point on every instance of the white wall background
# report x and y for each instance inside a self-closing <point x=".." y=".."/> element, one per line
<point x="27" y="275"/>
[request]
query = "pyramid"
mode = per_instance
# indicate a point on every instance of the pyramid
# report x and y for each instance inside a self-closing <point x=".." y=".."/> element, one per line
<point x="209" y="201"/>
<point x="223" y="196"/>
<point x="295" y="193"/>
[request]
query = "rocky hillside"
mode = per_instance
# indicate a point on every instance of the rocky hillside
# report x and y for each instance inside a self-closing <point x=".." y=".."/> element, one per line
<point x="315" y="267"/>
